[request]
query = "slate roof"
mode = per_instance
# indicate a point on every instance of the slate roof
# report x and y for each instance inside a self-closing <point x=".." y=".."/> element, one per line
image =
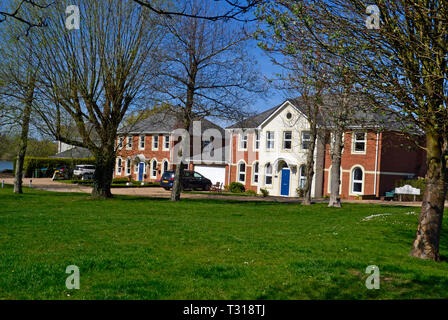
<point x="75" y="153"/>
<point x="366" y="118"/>
<point x="165" y="122"/>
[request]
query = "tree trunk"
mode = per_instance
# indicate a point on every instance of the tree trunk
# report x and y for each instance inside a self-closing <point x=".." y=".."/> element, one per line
<point x="426" y="242"/>
<point x="309" y="169"/>
<point x="105" y="164"/>
<point x="18" y="179"/>
<point x="335" y="153"/>
<point x="177" y="186"/>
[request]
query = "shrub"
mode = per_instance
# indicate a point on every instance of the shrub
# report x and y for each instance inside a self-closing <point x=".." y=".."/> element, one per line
<point x="251" y="192"/>
<point x="237" y="187"/>
<point x="264" y="192"/>
<point x="120" y="181"/>
<point x="419" y="183"/>
<point x="300" y="192"/>
<point x="32" y="163"/>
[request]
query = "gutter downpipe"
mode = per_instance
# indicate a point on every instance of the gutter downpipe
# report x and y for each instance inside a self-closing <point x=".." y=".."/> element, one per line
<point x="230" y="156"/>
<point x="376" y="162"/>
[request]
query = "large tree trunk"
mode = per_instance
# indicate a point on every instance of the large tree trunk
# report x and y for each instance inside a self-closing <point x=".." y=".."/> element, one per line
<point x="18" y="179"/>
<point x="335" y="173"/>
<point x="105" y="164"/>
<point x="426" y="242"/>
<point x="177" y="186"/>
<point x="186" y="124"/>
<point x="309" y="168"/>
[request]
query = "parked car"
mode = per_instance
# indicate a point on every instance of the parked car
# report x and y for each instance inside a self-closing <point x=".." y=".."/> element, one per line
<point x="84" y="171"/>
<point x="62" y="172"/>
<point x="190" y="180"/>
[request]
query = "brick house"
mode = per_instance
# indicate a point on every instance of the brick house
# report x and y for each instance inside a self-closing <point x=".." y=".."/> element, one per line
<point x="146" y="149"/>
<point x="372" y="162"/>
<point x="269" y="151"/>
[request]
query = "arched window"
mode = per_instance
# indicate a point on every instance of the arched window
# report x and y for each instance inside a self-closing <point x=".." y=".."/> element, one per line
<point x="357" y="180"/>
<point x="119" y="164"/>
<point x="154" y="169"/>
<point x="128" y="166"/>
<point x="268" y="174"/>
<point x="165" y="166"/>
<point x="255" y="172"/>
<point x="241" y="172"/>
<point x="302" y="177"/>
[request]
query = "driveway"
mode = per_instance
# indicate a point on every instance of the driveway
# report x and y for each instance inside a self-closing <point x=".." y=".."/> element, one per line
<point x="49" y="185"/>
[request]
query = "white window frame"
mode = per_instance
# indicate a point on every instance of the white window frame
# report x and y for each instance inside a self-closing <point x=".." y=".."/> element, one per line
<point x="270" y="139"/>
<point x="242" y="173"/>
<point x="165" y="142"/>
<point x="155" y="142"/>
<point x="302" y="177"/>
<point x="243" y="141"/>
<point x="154" y="168"/>
<point x="136" y="164"/>
<point x="256" y="140"/>
<point x="167" y="166"/>
<point x="303" y="140"/>
<point x="140" y="142"/>
<point x="128" y="166"/>
<point x="119" y="166"/>
<point x="287" y="140"/>
<point x="353" y="181"/>
<point x="355" y="141"/>
<point x="266" y="175"/>
<point x="255" y="172"/>
<point x="129" y="143"/>
<point x="120" y="142"/>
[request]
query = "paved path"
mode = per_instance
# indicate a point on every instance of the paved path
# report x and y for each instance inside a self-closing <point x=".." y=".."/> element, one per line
<point x="49" y="185"/>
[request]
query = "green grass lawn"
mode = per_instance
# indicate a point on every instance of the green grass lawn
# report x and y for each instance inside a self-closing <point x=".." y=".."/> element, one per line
<point x="142" y="248"/>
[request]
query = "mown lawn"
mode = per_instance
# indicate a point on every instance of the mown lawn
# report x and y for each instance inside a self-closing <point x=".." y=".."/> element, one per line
<point x="141" y="248"/>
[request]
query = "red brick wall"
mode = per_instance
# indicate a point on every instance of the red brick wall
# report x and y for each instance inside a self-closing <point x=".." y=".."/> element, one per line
<point x="249" y="156"/>
<point x="393" y="157"/>
<point x="159" y="155"/>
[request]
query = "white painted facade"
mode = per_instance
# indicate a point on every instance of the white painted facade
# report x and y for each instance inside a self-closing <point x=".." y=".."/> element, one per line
<point x="286" y="119"/>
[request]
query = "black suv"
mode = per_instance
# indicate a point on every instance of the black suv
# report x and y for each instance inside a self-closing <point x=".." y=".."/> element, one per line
<point x="190" y="180"/>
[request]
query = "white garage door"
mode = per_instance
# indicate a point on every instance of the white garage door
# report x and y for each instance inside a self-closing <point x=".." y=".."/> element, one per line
<point x="214" y="173"/>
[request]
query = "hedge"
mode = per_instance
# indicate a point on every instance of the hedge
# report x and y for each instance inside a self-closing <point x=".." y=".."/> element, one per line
<point x="32" y="163"/>
<point x="237" y="187"/>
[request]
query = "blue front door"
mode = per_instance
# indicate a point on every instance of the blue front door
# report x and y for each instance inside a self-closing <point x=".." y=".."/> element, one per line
<point x="141" y="168"/>
<point x="286" y="173"/>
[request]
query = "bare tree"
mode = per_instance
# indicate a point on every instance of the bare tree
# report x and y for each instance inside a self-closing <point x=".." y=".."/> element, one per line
<point x="206" y="71"/>
<point x="96" y="74"/>
<point x="401" y="59"/>
<point x="17" y="9"/>
<point x="305" y="74"/>
<point x="230" y="9"/>
<point x="18" y="74"/>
